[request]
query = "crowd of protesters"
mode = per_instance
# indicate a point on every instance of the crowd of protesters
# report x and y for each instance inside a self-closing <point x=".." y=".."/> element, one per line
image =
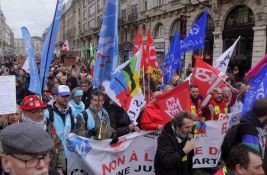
<point x="71" y="104"/>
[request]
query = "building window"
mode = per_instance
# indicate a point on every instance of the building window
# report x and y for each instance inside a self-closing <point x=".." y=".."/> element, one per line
<point x="145" y="5"/>
<point x="99" y="5"/>
<point x="123" y="13"/>
<point x="160" y="2"/>
<point x="134" y="10"/>
<point x="84" y="27"/>
<point x="91" y="24"/>
<point x="159" y="31"/>
<point x="84" y="14"/>
<point x="123" y="1"/>
<point x="99" y="21"/>
<point x="91" y="10"/>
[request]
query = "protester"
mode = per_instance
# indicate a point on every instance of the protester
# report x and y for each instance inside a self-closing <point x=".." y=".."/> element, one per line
<point x="175" y="146"/>
<point x="32" y="109"/>
<point x="87" y="88"/>
<point x="76" y="103"/>
<point x="120" y="121"/>
<point x="95" y="121"/>
<point x="26" y="150"/>
<point x="242" y="160"/>
<point x="59" y="113"/>
<point x="9" y="119"/>
<point x="251" y="131"/>
<point x="195" y="102"/>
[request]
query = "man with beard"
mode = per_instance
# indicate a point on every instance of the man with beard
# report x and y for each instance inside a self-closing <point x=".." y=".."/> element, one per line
<point x="216" y="106"/>
<point x="26" y="150"/>
<point x="94" y="122"/>
<point x="59" y="113"/>
<point x="195" y="102"/>
<point x="175" y="147"/>
<point x="252" y="130"/>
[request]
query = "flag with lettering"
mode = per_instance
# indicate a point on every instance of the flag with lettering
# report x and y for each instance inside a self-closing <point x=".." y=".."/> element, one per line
<point x="106" y="59"/>
<point x="124" y="88"/>
<point x="49" y="45"/>
<point x="205" y="77"/>
<point x="222" y="62"/>
<point x="258" y="89"/>
<point x="195" y="38"/>
<point x="174" y="101"/>
<point x="172" y="59"/>
<point x="34" y="86"/>
<point x="65" y="46"/>
<point x="152" y="61"/>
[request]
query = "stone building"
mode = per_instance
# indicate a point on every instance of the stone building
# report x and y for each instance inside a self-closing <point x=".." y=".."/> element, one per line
<point x="227" y="20"/>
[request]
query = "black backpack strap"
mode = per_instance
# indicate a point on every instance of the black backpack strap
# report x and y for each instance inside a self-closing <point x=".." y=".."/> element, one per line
<point x="85" y="117"/>
<point x="51" y="114"/>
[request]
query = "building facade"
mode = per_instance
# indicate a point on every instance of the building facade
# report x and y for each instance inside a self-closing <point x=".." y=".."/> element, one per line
<point x="6" y="37"/>
<point x="227" y="19"/>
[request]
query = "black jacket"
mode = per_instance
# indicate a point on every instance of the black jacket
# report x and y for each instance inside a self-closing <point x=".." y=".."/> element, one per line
<point x="119" y="119"/>
<point x="170" y="159"/>
<point x="251" y="131"/>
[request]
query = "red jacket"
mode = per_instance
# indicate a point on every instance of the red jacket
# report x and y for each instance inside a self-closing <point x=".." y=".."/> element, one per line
<point x="213" y="109"/>
<point x="151" y="117"/>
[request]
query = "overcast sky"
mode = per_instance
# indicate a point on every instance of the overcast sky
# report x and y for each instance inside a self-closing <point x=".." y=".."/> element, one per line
<point x="36" y="15"/>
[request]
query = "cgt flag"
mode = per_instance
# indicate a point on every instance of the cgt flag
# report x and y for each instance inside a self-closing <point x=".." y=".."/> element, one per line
<point x="124" y="88"/>
<point x="195" y="38"/>
<point x="107" y="50"/>
<point x="174" y="101"/>
<point x="205" y="77"/>
<point x="34" y="86"/>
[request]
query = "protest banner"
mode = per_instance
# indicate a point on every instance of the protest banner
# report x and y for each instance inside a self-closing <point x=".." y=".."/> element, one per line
<point x="133" y="156"/>
<point x="212" y="132"/>
<point x="7" y="95"/>
<point x="234" y="118"/>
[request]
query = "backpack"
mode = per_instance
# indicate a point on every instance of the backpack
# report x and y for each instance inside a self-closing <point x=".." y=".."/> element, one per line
<point x="230" y="140"/>
<point x="51" y="117"/>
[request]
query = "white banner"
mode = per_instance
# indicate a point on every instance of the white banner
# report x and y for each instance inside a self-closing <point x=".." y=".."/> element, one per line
<point x="209" y="138"/>
<point x="26" y="65"/>
<point x="7" y="94"/>
<point x="133" y="156"/>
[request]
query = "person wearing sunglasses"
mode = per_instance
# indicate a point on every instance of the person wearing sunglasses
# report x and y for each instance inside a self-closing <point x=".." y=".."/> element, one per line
<point x="26" y="150"/>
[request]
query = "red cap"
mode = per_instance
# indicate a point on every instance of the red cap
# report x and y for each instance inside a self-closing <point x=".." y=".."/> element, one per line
<point x="32" y="102"/>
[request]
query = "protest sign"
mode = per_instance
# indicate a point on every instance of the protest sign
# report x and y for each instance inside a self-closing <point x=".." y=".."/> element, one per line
<point x="133" y="156"/>
<point x="212" y="132"/>
<point x="234" y="118"/>
<point x="7" y="95"/>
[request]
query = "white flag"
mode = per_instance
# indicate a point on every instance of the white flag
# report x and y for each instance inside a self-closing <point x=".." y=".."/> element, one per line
<point x="222" y="62"/>
<point x="26" y="65"/>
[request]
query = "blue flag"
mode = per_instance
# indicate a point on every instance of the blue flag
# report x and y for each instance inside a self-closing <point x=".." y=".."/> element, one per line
<point x="107" y="50"/>
<point x="34" y="78"/>
<point x="172" y="60"/>
<point x="258" y="89"/>
<point x="195" y="38"/>
<point x="49" y="45"/>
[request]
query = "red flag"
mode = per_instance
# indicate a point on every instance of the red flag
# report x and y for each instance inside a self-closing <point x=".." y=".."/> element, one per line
<point x="205" y="77"/>
<point x="138" y="43"/>
<point x="151" y="61"/>
<point x="174" y="101"/>
<point x="255" y="70"/>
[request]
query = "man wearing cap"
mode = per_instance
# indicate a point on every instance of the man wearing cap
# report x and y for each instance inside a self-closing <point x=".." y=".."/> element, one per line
<point x="26" y="150"/>
<point x="32" y="113"/>
<point x="76" y="103"/>
<point x="59" y="113"/>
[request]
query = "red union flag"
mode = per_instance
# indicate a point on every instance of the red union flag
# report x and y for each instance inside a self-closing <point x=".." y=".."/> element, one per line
<point x="174" y="101"/>
<point x="206" y="77"/>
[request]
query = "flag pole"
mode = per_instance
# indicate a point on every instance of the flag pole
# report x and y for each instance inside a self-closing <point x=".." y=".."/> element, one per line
<point x="52" y="27"/>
